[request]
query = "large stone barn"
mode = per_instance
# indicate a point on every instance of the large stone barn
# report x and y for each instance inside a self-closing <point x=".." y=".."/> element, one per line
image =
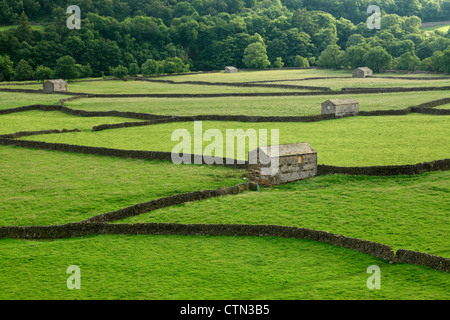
<point x="274" y="165"/>
<point x="340" y="107"/>
<point x="58" y="85"/>
<point x="231" y="70"/>
<point x="362" y="72"/>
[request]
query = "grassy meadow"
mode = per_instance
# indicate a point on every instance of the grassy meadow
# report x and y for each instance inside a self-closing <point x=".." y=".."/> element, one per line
<point x="10" y="100"/>
<point x="353" y="141"/>
<point x="368" y="83"/>
<point x="407" y="212"/>
<point x="43" y="120"/>
<point x="201" y="267"/>
<point x="42" y="187"/>
<point x="145" y="87"/>
<point x="253" y="106"/>
<point x="50" y="187"/>
<point x="442" y="28"/>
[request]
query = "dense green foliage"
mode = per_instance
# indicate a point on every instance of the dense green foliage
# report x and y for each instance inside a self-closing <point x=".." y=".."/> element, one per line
<point x="208" y="35"/>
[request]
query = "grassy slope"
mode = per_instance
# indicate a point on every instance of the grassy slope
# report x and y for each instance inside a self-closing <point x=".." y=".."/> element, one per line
<point x="119" y="86"/>
<point x="248" y="76"/>
<point x="354" y="141"/>
<point x="443" y="28"/>
<point x="261" y="106"/>
<point x="180" y="267"/>
<point x="409" y="212"/>
<point x="18" y="99"/>
<point x="44" y="120"/>
<point x="368" y="83"/>
<point x="34" y="27"/>
<point x="51" y="187"/>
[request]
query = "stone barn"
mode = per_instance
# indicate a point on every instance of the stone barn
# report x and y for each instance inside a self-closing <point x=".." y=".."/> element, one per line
<point x="296" y="161"/>
<point x="58" y="85"/>
<point x="362" y="72"/>
<point x="231" y="70"/>
<point x="340" y="107"/>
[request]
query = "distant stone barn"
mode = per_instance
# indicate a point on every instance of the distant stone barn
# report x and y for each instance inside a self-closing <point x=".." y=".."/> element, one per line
<point x="362" y="72"/>
<point x="58" y="85"/>
<point x="340" y="107"/>
<point x="296" y="161"/>
<point x="231" y="70"/>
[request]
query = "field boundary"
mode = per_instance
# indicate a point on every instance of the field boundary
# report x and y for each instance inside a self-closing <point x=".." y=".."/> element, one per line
<point x="408" y="169"/>
<point x="393" y="170"/>
<point x="343" y="91"/>
<point x="21" y="134"/>
<point x="173" y="200"/>
<point x="121" y="153"/>
<point x="80" y="229"/>
<point x="236" y="84"/>
<point x="425" y="108"/>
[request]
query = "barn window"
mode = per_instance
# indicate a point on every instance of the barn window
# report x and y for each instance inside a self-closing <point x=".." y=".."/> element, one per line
<point x="300" y="159"/>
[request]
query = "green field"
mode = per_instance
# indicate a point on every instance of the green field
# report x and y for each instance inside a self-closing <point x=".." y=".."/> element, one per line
<point x="253" y="106"/>
<point x="141" y="87"/>
<point x="368" y="83"/>
<point x="405" y="212"/>
<point x="381" y="140"/>
<point x="199" y="267"/>
<point x="44" y="120"/>
<point x="13" y="99"/>
<point x="442" y="28"/>
<point x="34" y="27"/>
<point x="51" y="187"/>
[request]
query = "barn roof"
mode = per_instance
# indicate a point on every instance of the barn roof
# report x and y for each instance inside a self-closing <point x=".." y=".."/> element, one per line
<point x="288" y="149"/>
<point x="56" y="81"/>
<point x="338" y="102"/>
<point x="364" y="69"/>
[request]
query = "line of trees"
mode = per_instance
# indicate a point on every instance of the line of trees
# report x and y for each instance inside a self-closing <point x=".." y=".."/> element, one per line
<point x="167" y="10"/>
<point x="245" y="34"/>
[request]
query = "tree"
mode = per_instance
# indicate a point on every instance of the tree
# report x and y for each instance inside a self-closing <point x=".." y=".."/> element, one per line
<point x="278" y="63"/>
<point x="66" y="68"/>
<point x="24" y="31"/>
<point x="120" y="72"/>
<point x="331" y="57"/>
<point x="407" y="61"/>
<point x="134" y="69"/>
<point x="378" y="58"/>
<point x="43" y="73"/>
<point x="300" y="62"/>
<point x="151" y="67"/>
<point x="175" y="65"/>
<point x="354" y="56"/>
<point x="255" y="56"/>
<point x="23" y="71"/>
<point x="6" y="68"/>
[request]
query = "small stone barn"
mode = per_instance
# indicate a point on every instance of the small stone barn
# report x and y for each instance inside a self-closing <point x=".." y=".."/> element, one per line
<point x="296" y="161"/>
<point x="362" y="72"/>
<point x="58" y="85"/>
<point x="340" y="107"/>
<point x="231" y="70"/>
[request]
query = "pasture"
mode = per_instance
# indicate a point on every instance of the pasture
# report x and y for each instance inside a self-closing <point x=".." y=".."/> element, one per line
<point x="51" y="187"/>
